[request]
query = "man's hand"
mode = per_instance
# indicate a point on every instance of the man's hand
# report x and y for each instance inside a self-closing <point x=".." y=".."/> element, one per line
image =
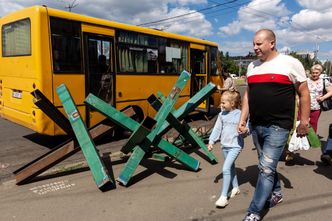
<point x="242" y="129"/>
<point x="302" y="130"/>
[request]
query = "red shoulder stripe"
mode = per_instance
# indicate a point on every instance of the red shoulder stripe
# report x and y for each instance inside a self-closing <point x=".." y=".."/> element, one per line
<point x="269" y="78"/>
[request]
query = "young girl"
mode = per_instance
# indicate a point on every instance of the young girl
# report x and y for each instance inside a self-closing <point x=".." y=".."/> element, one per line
<point x="226" y="130"/>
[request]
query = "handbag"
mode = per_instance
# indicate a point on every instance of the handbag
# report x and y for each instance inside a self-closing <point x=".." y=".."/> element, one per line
<point x="326" y="104"/>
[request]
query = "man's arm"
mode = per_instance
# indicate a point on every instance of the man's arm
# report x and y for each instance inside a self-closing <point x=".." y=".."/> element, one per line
<point x="244" y="113"/>
<point x="304" y="97"/>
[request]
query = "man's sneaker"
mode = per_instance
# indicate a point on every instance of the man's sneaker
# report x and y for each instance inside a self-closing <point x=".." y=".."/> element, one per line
<point x="276" y="198"/>
<point x="222" y="201"/>
<point x="252" y="217"/>
<point x="234" y="192"/>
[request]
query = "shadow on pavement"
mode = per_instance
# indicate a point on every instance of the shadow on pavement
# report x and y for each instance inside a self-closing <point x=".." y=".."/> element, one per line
<point x="154" y="166"/>
<point x="325" y="170"/>
<point x="250" y="175"/>
<point x="298" y="160"/>
<point x="45" y="140"/>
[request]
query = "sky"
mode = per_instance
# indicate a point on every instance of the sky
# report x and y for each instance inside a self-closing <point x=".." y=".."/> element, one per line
<point x="300" y="25"/>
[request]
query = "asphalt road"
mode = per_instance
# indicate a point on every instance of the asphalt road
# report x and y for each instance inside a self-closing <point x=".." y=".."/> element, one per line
<point x="158" y="190"/>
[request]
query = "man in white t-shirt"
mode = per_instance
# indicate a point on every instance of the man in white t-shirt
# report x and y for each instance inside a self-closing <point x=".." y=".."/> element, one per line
<point x="269" y="102"/>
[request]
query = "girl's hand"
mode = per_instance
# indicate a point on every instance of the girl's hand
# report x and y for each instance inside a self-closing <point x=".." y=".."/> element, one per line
<point x="242" y="129"/>
<point x="210" y="147"/>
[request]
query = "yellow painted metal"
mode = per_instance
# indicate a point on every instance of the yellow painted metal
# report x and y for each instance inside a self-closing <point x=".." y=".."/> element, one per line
<point x="203" y="76"/>
<point x="197" y="46"/>
<point x="23" y="74"/>
<point x="217" y="80"/>
<point x="97" y="30"/>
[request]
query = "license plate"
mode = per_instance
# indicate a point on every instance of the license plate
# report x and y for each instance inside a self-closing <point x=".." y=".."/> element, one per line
<point x="17" y="94"/>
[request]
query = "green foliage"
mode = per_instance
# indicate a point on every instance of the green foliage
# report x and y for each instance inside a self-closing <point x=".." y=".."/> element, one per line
<point x="306" y="61"/>
<point x="228" y="64"/>
<point x="243" y="71"/>
<point x="328" y="68"/>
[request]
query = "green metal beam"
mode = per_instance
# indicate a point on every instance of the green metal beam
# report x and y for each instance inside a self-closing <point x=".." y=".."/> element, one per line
<point x="189" y="106"/>
<point x="160" y="117"/>
<point x="117" y="117"/>
<point x="139" y="135"/>
<point x="184" y="129"/>
<point x="151" y="139"/>
<point x="94" y="161"/>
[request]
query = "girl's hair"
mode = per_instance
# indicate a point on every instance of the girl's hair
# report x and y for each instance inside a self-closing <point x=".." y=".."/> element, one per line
<point x="233" y="96"/>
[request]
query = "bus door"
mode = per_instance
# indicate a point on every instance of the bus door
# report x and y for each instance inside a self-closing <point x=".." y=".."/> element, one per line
<point x="199" y="74"/>
<point x="99" y="72"/>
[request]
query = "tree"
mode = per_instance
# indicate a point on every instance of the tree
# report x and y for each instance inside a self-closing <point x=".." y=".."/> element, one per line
<point x="306" y="61"/>
<point x="328" y="67"/>
<point x="228" y="64"/>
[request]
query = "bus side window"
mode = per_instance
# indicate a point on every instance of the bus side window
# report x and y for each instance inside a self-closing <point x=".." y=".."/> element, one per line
<point x="66" y="45"/>
<point x="173" y="56"/>
<point x="16" y="38"/>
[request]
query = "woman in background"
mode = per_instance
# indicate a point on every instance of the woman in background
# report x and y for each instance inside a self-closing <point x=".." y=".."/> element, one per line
<point x="229" y="84"/>
<point x="315" y="85"/>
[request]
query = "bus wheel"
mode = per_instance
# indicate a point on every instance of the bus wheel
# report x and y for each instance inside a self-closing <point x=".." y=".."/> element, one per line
<point x="139" y="115"/>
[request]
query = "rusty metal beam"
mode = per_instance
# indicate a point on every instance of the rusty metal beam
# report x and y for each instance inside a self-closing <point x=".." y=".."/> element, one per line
<point x="41" y="101"/>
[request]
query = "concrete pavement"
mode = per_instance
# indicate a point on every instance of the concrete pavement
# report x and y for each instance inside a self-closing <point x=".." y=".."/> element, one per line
<point x="158" y="191"/>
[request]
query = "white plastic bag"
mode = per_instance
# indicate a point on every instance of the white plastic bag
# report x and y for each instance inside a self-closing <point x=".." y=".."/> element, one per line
<point x="298" y="143"/>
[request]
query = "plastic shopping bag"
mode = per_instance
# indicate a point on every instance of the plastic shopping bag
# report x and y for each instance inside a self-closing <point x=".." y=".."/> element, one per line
<point x="313" y="139"/>
<point x="298" y="143"/>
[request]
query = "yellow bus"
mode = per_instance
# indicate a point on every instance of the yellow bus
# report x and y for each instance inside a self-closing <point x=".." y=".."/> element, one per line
<point x="122" y="64"/>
